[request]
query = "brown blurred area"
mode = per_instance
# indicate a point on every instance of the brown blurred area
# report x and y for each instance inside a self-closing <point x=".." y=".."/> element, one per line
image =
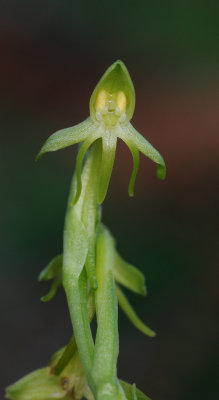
<point x="52" y="55"/>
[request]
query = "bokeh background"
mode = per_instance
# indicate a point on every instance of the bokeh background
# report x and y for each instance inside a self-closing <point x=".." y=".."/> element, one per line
<point x="52" y="55"/>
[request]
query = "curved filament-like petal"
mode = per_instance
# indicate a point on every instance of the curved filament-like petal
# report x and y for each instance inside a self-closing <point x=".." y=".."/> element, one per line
<point x="136" y="161"/>
<point x="129" y="276"/>
<point x="129" y="133"/>
<point x="108" y="157"/>
<point x="131" y="314"/>
<point x="79" y="162"/>
<point x="68" y="137"/>
<point x="54" y="287"/>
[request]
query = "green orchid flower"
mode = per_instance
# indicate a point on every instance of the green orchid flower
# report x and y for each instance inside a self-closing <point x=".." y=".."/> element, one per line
<point x="43" y="384"/>
<point x="111" y="108"/>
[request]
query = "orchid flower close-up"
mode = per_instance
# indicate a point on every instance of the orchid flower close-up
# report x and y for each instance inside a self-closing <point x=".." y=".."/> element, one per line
<point x="111" y="108"/>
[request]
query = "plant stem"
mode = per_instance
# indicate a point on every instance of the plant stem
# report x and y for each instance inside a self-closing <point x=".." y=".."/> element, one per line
<point x="78" y="246"/>
<point x="106" y="345"/>
<point x="71" y="347"/>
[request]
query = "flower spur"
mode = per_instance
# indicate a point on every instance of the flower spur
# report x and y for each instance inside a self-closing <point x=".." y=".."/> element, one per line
<point x="111" y="108"/>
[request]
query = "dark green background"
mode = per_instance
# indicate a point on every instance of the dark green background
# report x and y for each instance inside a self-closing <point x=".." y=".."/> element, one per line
<point x="52" y="54"/>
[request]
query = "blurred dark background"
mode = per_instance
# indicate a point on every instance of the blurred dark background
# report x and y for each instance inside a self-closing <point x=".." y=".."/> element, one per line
<point x="52" y="55"/>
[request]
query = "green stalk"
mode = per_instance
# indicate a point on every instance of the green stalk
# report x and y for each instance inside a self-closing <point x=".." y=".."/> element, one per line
<point x="79" y="236"/>
<point x="104" y="369"/>
<point x="71" y="347"/>
<point x="77" y="302"/>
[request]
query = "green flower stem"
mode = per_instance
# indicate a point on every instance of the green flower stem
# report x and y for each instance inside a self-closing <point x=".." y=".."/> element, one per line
<point x="71" y="348"/>
<point x="79" y="250"/>
<point x="77" y="302"/>
<point x="104" y="369"/>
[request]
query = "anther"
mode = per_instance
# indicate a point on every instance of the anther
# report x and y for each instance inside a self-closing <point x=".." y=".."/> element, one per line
<point x="121" y="100"/>
<point x="101" y="100"/>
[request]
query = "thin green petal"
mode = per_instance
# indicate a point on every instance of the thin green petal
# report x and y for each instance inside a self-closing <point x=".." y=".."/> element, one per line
<point x="131" y="314"/>
<point x="129" y="133"/>
<point x="79" y="162"/>
<point x="53" y="269"/>
<point x="108" y="157"/>
<point x="68" y="137"/>
<point x="129" y="276"/>
<point x="115" y="79"/>
<point x="54" y="287"/>
<point x="136" y="161"/>
<point x="128" y="389"/>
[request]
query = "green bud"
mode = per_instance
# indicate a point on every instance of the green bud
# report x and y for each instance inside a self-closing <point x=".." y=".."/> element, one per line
<point x="44" y="384"/>
<point x="38" y="385"/>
